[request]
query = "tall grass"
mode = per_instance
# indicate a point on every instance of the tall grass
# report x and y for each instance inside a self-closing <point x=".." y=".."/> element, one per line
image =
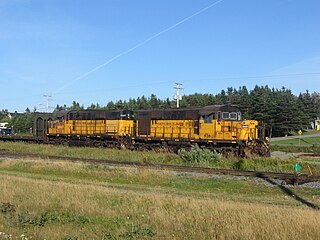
<point x="37" y="201"/>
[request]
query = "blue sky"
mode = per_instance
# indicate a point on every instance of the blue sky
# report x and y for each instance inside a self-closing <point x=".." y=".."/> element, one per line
<point x="94" y="51"/>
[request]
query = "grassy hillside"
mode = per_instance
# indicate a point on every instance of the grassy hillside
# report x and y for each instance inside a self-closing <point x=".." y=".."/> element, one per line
<point x="58" y="200"/>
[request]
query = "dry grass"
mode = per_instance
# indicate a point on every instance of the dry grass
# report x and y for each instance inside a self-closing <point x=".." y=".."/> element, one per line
<point x="114" y="213"/>
<point x="92" y="208"/>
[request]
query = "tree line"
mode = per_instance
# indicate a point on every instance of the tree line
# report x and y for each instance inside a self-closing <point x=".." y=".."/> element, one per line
<point x="21" y="122"/>
<point x="280" y="109"/>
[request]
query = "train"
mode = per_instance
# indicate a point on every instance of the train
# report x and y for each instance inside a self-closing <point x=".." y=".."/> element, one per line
<point x="220" y="128"/>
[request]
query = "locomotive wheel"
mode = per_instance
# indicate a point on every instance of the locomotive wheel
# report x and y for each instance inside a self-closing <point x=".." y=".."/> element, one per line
<point x="257" y="148"/>
<point x="229" y="152"/>
<point x="124" y="143"/>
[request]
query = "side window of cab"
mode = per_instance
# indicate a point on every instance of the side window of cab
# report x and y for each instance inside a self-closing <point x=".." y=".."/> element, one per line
<point x="208" y="118"/>
<point x="225" y="115"/>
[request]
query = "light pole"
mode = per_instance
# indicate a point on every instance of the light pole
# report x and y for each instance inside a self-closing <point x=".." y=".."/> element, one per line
<point x="178" y="97"/>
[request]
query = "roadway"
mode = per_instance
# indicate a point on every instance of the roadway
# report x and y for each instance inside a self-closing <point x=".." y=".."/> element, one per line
<point x="293" y="137"/>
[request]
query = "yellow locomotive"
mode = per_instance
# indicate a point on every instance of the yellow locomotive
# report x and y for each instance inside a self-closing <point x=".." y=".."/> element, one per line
<point x="92" y="127"/>
<point x="217" y="127"/>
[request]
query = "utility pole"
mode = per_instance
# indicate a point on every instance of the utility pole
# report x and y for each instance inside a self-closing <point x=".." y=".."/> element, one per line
<point x="178" y="97"/>
<point x="48" y="99"/>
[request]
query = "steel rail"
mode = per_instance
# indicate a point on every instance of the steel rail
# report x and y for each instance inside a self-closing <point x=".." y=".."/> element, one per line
<point x="289" y="178"/>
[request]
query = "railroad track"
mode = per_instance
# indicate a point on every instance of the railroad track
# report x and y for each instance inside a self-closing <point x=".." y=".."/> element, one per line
<point x="311" y="155"/>
<point x="289" y="178"/>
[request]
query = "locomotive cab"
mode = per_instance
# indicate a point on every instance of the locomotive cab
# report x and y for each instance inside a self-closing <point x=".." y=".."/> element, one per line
<point x="220" y="123"/>
<point x="223" y="125"/>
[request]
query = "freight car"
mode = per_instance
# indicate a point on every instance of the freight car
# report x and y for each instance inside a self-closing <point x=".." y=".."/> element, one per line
<point x="217" y="127"/>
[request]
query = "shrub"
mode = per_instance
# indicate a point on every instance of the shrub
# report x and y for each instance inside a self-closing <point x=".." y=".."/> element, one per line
<point x="199" y="156"/>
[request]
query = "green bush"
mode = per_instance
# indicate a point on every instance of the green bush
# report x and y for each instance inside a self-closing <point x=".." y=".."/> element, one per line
<point x="199" y="156"/>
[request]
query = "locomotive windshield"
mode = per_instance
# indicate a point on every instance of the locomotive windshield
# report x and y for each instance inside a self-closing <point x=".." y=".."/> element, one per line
<point x="231" y="116"/>
<point x="221" y="112"/>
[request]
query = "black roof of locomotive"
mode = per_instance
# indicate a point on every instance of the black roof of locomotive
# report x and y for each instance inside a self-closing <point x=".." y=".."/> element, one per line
<point x="184" y="113"/>
<point x="154" y="114"/>
<point x="95" y="114"/>
<point x="207" y="110"/>
<point x="169" y="114"/>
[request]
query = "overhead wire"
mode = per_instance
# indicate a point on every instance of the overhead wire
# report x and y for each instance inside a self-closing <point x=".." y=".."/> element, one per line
<point x="138" y="45"/>
<point x="58" y="92"/>
<point x="196" y="80"/>
<point x="181" y="80"/>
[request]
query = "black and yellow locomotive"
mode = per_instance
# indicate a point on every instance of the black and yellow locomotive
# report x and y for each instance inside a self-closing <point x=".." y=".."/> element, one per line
<point x="217" y="127"/>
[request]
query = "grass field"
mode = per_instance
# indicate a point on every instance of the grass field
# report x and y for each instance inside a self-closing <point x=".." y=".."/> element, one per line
<point x="294" y="145"/>
<point x="306" y="132"/>
<point x="58" y="200"/>
<point x="311" y="141"/>
<point x="261" y="164"/>
<point x="88" y="152"/>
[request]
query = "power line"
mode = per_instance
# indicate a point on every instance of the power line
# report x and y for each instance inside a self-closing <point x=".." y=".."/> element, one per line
<point x="193" y="80"/>
<point x="264" y="76"/>
<point x="139" y="45"/>
<point x="181" y="80"/>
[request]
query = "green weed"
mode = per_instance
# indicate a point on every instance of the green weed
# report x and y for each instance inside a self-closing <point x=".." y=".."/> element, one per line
<point x="138" y="231"/>
<point x="198" y="156"/>
<point x="25" y="218"/>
